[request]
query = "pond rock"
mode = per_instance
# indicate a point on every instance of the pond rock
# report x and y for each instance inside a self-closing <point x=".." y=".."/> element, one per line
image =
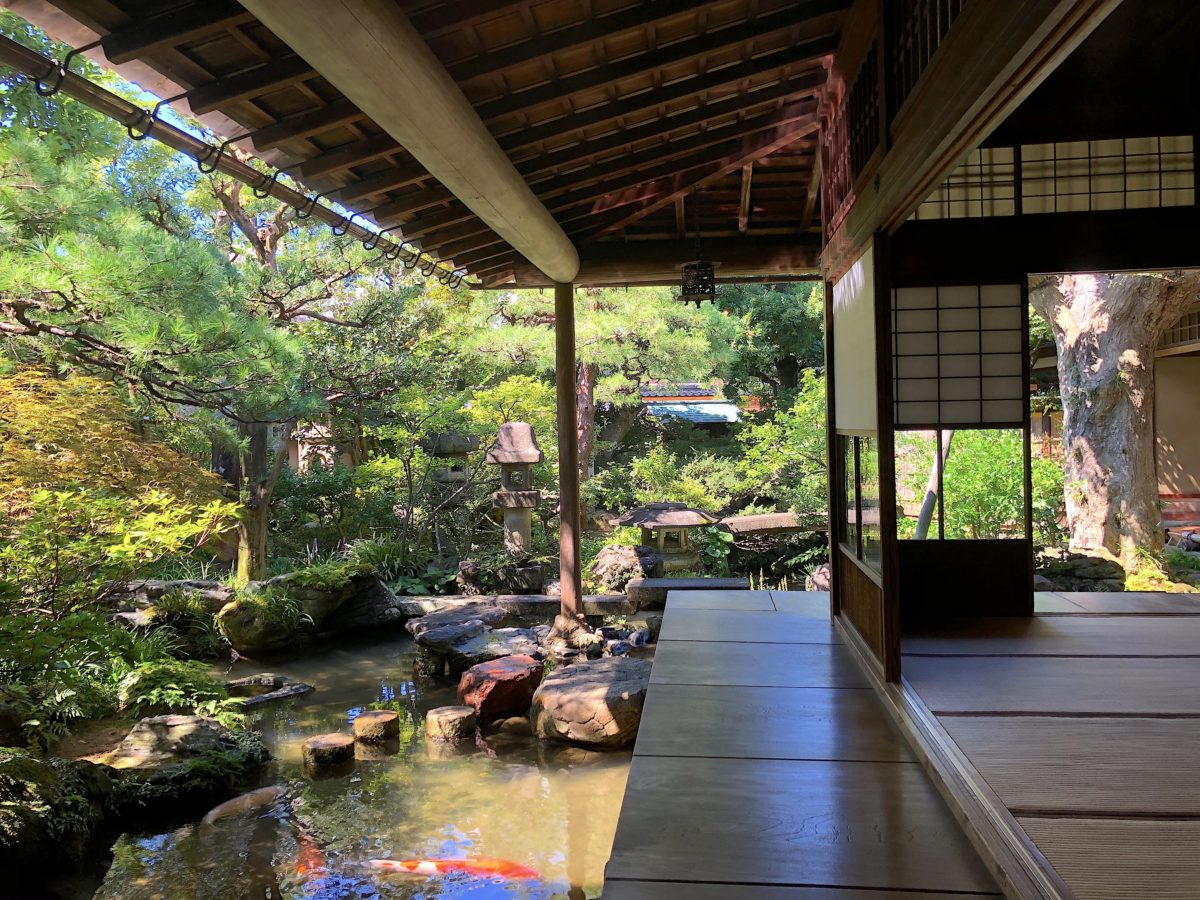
<point x="592" y="704"/>
<point x="500" y="687"/>
<point x="48" y="810"/>
<point x="616" y="566"/>
<point x="465" y="644"/>
<point x="818" y="579"/>
<point x="485" y="613"/>
<point x="266" y="687"/>
<point x="450" y="724"/>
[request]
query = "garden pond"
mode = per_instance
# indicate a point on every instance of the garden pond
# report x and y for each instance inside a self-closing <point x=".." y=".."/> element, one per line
<point x="550" y="807"/>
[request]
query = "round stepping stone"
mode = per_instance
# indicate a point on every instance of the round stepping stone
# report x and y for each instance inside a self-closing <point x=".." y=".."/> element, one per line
<point x="450" y="724"/>
<point x="376" y="725"/>
<point x="327" y="750"/>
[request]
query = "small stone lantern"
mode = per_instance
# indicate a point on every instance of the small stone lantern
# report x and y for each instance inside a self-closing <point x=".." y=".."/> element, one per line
<point x="453" y="448"/>
<point x="665" y="528"/>
<point x="515" y="451"/>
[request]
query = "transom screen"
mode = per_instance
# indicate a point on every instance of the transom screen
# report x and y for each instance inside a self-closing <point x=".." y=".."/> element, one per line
<point x="958" y="356"/>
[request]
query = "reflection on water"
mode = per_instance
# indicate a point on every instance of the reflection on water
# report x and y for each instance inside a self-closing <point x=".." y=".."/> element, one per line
<point x="551" y="808"/>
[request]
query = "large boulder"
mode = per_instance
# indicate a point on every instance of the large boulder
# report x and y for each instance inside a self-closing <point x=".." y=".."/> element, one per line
<point x="616" y="566"/>
<point x="500" y="687"/>
<point x="463" y="636"/>
<point x="593" y="704"/>
<point x="48" y="809"/>
<point x="483" y="612"/>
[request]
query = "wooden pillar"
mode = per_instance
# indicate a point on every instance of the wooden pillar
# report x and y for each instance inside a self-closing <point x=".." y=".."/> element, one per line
<point x="569" y="575"/>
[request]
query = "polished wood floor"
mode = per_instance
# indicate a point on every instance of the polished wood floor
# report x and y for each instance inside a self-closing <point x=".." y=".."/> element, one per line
<point x="1085" y="722"/>
<point x="766" y="769"/>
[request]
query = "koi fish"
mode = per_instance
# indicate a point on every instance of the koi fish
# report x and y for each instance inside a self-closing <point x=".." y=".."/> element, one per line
<point x="309" y="858"/>
<point x="254" y="800"/>
<point x="482" y="868"/>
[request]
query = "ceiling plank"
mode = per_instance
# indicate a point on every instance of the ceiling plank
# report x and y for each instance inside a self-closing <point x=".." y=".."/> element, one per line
<point x="454" y="14"/>
<point x="664" y="192"/>
<point x="654" y="59"/>
<point x="651" y="99"/>
<point x="812" y="192"/>
<point x="680" y="216"/>
<point x="250" y="83"/>
<point x="399" y="176"/>
<point x="175" y="27"/>
<point x="744" y="199"/>
<point x="306" y="124"/>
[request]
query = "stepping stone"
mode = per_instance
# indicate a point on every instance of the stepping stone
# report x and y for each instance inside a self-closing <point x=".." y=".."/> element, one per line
<point x="450" y="724"/>
<point x="376" y="725"/>
<point x="327" y="750"/>
<point x="500" y="687"/>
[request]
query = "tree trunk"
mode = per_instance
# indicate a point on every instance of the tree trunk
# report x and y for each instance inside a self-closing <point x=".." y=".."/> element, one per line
<point x="585" y="415"/>
<point x="618" y="424"/>
<point x="260" y="485"/>
<point x="933" y="486"/>
<point x="1106" y="329"/>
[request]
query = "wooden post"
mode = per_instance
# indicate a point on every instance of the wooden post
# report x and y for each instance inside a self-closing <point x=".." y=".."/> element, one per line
<point x="570" y="579"/>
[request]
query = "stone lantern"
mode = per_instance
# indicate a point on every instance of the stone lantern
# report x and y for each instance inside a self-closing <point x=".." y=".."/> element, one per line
<point x="665" y="528"/>
<point x="515" y="452"/>
<point x="453" y="449"/>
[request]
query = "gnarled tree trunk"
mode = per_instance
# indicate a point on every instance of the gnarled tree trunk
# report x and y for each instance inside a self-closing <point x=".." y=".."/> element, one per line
<point x="261" y="478"/>
<point x="1106" y="328"/>
<point x="586" y="375"/>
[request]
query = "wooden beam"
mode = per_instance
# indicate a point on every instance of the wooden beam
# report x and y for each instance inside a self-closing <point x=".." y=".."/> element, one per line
<point x="664" y="192"/>
<point x="569" y="524"/>
<point x="360" y="46"/>
<point x="345" y="156"/>
<point x="250" y="83"/>
<point x="558" y="89"/>
<point x="813" y="191"/>
<point x="639" y="262"/>
<point x="306" y="124"/>
<point x="785" y="89"/>
<point x="668" y="93"/>
<point x="628" y="162"/>
<point x="178" y="26"/>
<point x="453" y="15"/>
<point x="606" y="25"/>
<point x="992" y="58"/>
<point x="744" y="199"/>
<point x="680" y="216"/>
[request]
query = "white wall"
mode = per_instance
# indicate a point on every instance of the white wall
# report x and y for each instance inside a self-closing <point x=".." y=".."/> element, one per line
<point x="855" y="392"/>
<point x="1177" y="423"/>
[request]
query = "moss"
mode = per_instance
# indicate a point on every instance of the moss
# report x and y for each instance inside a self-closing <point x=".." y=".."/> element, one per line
<point x="46" y="807"/>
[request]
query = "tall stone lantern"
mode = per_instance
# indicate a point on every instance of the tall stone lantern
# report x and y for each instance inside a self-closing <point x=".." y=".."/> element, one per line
<point x="452" y="450"/>
<point x="515" y="452"/>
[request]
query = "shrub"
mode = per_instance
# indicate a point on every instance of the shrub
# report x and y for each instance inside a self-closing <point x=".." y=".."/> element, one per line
<point x="168" y="684"/>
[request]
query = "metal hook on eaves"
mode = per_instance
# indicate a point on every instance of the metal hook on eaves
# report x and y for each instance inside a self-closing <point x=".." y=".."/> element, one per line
<point x="47" y="89"/>
<point x="372" y="242"/>
<point x="150" y="119"/>
<point x="208" y="168"/>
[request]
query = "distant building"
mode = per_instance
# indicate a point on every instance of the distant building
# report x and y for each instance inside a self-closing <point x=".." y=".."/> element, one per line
<point x="699" y="404"/>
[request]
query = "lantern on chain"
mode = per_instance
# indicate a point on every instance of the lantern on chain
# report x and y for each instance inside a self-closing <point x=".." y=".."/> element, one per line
<point x="699" y="281"/>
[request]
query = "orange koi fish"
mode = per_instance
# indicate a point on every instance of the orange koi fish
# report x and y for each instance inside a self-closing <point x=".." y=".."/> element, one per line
<point x="482" y="868"/>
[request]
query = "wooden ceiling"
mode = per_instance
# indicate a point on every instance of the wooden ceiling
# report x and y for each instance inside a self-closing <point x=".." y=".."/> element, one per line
<point x="631" y="121"/>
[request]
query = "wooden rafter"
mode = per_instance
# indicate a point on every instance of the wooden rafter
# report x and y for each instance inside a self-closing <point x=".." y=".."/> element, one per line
<point x="559" y="89"/>
<point x="669" y="93"/>
<point x="177" y="26"/>
<point x="306" y="124"/>
<point x="663" y="192"/>
<point x="250" y="83"/>
<point x="744" y="198"/>
<point x="346" y="156"/>
<point x="604" y="27"/>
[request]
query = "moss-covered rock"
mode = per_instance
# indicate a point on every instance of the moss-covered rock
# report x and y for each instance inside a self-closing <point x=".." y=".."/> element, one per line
<point x="48" y="808"/>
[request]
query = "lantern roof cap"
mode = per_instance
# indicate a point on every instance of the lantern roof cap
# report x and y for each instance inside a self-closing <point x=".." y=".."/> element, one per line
<point x="449" y="443"/>
<point x="515" y="444"/>
<point x="666" y="515"/>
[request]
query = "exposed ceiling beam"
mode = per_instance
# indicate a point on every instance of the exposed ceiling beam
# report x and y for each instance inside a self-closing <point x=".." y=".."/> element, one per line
<point x="744" y="199"/>
<point x="787" y="89"/>
<point x="250" y="83"/>
<point x="177" y="26"/>
<point x="668" y="149"/>
<point x="651" y="99"/>
<point x="306" y="124"/>
<point x="345" y="156"/>
<point x="664" y="191"/>
<point x="680" y="216"/>
<point x="359" y="46"/>
<point x="454" y="14"/>
<point x="558" y="89"/>
<point x="608" y="25"/>
<point x="617" y="262"/>
<point x="392" y="179"/>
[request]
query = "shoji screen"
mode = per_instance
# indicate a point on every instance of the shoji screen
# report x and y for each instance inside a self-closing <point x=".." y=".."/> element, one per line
<point x="958" y="356"/>
<point x="854" y="347"/>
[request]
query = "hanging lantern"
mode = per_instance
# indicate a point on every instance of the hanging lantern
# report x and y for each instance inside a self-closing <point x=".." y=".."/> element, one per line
<point x="699" y="283"/>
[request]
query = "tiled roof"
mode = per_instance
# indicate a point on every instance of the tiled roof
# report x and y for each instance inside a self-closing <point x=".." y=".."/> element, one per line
<point x="701" y="412"/>
<point x="687" y="389"/>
